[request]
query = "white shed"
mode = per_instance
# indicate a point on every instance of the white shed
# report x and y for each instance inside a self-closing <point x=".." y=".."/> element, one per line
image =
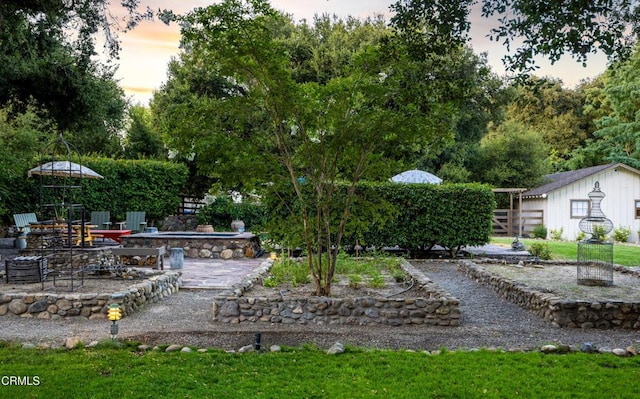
<point x="564" y="199"/>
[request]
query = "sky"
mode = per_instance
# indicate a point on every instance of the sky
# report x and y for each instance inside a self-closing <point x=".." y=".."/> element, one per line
<point x="147" y="50"/>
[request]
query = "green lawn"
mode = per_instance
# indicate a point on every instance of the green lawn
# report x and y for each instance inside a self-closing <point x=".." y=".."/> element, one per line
<point x="310" y="373"/>
<point x="623" y="254"/>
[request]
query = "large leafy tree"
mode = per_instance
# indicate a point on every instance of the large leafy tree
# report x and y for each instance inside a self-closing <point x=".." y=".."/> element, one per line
<point x="557" y="113"/>
<point x="300" y="116"/>
<point x="141" y="139"/>
<point x="435" y="34"/>
<point x="548" y="28"/>
<point x="512" y="155"/>
<point x="46" y="61"/>
<point x="618" y="129"/>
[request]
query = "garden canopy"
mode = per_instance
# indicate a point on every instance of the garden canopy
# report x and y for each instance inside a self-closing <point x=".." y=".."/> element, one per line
<point x="64" y="169"/>
<point x="416" y="176"/>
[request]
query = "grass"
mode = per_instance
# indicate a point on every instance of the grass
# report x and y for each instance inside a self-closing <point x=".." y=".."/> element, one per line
<point x="623" y="254"/>
<point x="310" y="373"/>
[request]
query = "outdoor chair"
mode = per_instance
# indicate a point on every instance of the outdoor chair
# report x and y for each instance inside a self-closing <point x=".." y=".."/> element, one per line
<point x="136" y="221"/>
<point x="101" y="219"/>
<point x="23" y="220"/>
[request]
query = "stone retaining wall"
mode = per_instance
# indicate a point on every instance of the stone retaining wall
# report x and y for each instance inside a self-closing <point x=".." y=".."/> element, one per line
<point x="59" y="258"/>
<point x="221" y="248"/>
<point x="436" y="307"/>
<point x="559" y="311"/>
<point x="91" y="305"/>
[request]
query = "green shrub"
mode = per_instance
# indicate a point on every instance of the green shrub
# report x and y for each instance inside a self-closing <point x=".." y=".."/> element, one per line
<point x="541" y="250"/>
<point x="376" y="280"/>
<point x="556" y="234"/>
<point x="622" y="234"/>
<point x="223" y="210"/>
<point x="354" y="280"/>
<point x="581" y="236"/>
<point x="599" y="233"/>
<point x="540" y="231"/>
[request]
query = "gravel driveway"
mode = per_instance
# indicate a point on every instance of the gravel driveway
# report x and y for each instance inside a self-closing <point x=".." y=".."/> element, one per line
<point x="185" y="318"/>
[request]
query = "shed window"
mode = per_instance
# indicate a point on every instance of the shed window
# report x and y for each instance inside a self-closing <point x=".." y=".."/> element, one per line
<point x="580" y="208"/>
<point x="637" y="209"/>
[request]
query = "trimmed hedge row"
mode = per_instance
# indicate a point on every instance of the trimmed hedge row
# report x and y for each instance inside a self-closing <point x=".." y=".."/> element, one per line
<point x="128" y="185"/>
<point x="415" y="217"/>
<point x="135" y="185"/>
<point x="450" y="215"/>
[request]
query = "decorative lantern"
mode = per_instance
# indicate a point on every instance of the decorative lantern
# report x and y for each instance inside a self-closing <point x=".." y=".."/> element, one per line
<point x="114" y="314"/>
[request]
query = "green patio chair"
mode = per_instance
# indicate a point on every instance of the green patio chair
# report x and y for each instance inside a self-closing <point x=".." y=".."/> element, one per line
<point x="101" y="219"/>
<point x="23" y="220"/>
<point x="136" y="221"/>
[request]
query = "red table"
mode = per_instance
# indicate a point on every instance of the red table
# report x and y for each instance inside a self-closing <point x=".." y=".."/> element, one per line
<point x="112" y="234"/>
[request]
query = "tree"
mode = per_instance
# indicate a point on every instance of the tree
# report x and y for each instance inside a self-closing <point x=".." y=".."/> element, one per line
<point x="618" y="131"/>
<point x="141" y="140"/>
<point x="548" y="28"/>
<point x="46" y="50"/>
<point x="511" y="155"/>
<point x="558" y="114"/>
<point x="20" y="134"/>
<point x="279" y="116"/>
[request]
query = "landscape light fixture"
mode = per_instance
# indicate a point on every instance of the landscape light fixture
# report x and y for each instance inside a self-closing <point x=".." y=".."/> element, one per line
<point x="114" y="314"/>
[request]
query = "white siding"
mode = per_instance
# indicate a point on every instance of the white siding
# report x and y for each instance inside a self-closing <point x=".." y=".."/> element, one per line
<point x="621" y="187"/>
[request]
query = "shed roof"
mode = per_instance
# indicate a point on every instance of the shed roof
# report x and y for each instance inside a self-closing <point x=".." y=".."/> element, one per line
<point x="562" y="179"/>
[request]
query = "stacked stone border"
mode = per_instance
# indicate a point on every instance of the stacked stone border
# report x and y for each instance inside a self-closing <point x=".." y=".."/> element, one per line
<point x="437" y="307"/>
<point x="561" y="312"/>
<point x="92" y="306"/>
<point x="247" y="245"/>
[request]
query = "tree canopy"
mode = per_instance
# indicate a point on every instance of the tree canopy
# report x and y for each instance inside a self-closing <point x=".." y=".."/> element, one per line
<point x="529" y="28"/>
<point x="259" y="99"/>
<point x="47" y="61"/>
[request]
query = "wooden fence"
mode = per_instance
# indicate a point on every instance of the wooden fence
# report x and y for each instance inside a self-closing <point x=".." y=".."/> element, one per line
<point x="189" y="205"/>
<point x="507" y="223"/>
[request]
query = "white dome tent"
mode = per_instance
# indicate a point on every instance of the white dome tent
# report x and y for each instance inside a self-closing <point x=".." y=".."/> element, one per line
<point x="416" y="176"/>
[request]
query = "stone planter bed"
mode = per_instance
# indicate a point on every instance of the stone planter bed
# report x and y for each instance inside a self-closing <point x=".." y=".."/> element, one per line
<point x="550" y="290"/>
<point x="425" y="303"/>
<point x="91" y="300"/>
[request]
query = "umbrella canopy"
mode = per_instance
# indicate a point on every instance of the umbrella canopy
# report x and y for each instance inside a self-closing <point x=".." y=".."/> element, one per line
<point x="64" y="169"/>
<point x="416" y="176"/>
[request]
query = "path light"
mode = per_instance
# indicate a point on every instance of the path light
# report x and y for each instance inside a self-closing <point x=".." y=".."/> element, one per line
<point x="257" y="343"/>
<point x="115" y="313"/>
<point x="273" y="255"/>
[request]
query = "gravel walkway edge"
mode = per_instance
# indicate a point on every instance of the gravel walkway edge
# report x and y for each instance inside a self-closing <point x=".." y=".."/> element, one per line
<point x="488" y="321"/>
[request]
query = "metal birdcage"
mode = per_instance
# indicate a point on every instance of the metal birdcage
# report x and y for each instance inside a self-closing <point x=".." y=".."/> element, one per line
<point x="595" y="255"/>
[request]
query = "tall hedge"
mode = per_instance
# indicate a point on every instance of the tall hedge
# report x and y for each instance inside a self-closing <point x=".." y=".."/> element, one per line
<point x="134" y="185"/>
<point x="415" y="217"/>
<point x="450" y="215"/>
<point x="128" y="185"/>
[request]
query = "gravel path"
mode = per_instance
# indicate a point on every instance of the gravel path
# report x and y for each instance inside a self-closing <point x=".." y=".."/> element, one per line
<point x="185" y="318"/>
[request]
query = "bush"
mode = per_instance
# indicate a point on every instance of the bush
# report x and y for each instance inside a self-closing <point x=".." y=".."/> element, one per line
<point x="223" y="210"/>
<point x="556" y="234"/>
<point x="541" y="250"/>
<point x="450" y="215"/>
<point x="540" y="231"/>
<point x="622" y="234"/>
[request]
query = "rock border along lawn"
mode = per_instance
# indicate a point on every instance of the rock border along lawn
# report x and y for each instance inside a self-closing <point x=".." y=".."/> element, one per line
<point x="437" y="307"/>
